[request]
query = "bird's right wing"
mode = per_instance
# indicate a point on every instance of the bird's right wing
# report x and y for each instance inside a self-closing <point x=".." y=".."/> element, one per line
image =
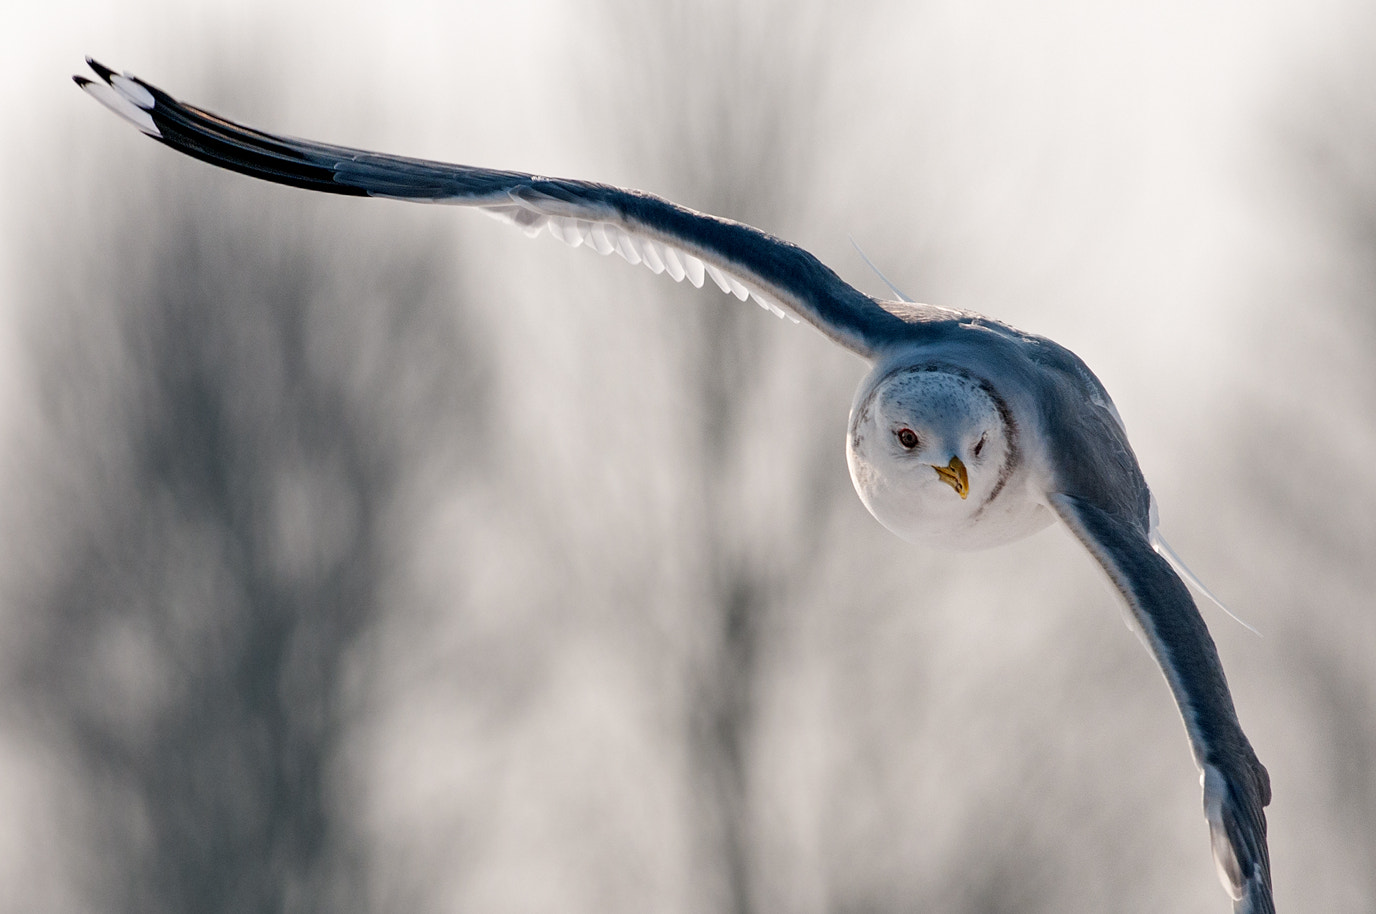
<point x="640" y="227"/>
<point x="1236" y="785"/>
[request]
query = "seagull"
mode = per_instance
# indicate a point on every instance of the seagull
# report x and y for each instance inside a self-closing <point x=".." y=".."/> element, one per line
<point x="965" y="434"/>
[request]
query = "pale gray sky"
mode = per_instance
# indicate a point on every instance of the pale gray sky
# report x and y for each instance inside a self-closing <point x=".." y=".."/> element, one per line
<point x="1111" y="175"/>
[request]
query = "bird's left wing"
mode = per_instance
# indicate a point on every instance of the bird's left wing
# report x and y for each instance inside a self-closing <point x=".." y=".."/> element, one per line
<point x="642" y="228"/>
<point x="1236" y="785"/>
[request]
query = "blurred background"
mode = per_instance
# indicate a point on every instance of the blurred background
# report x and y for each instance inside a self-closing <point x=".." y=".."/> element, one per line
<point x="366" y="557"/>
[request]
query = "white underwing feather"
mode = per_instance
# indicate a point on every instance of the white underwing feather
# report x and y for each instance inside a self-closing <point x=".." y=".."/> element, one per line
<point x="718" y="278"/>
<point x="694" y="269"/>
<point x="626" y="247"/>
<point x="599" y="236"/>
<point x="673" y="264"/>
<point x="563" y="229"/>
<point x="659" y="257"/>
<point x="773" y="307"/>
<point x="653" y="258"/>
<point x="737" y="287"/>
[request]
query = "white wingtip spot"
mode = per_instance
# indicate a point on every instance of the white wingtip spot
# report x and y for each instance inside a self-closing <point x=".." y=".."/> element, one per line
<point x="123" y="106"/>
<point x="1225" y="858"/>
<point x="131" y="90"/>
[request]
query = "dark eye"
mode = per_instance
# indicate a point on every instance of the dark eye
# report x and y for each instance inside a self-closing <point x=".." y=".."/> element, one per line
<point x="980" y="446"/>
<point x="907" y="437"/>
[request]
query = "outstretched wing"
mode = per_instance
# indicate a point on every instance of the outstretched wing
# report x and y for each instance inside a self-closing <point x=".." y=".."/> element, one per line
<point x="1236" y="785"/>
<point x="640" y="227"/>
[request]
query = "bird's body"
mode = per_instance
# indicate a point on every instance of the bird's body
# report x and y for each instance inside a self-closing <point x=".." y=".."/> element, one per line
<point x="920" y="423"/>
<point x="965" y="434"/>
<point x="1008" y="393"/>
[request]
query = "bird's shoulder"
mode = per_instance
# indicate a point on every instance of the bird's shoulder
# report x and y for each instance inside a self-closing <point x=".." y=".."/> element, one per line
<point x="1011" y="359"/>
<point x="1066" y="420"/>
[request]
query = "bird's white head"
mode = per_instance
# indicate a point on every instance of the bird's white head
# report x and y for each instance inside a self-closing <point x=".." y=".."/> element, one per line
<point x="929" y="450"/>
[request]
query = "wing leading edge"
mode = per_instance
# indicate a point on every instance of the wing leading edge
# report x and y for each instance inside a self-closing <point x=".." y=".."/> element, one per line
<point x="642" y="228"/>
<point x="1236" y="785"/>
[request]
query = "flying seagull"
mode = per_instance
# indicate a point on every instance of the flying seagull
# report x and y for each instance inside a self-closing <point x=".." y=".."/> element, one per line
<point x="966" y="433"/>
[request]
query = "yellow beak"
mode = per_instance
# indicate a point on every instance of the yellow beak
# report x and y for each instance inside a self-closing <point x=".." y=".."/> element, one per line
<point x="954" y="475"/>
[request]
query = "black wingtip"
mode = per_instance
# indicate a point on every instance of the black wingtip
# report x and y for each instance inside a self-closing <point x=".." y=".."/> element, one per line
<point x="81" y="81"/>
<point x="102" y="71"/>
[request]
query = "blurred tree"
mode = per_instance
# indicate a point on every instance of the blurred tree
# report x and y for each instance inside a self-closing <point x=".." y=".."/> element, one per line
<point x="721" y="105"/>
<point x="1312" y="406"/>
<point x="241" y="397"/>
<point x="722" y="108"/>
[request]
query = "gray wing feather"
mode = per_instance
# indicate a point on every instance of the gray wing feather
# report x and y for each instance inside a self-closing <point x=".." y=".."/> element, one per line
<point x="1236" y="785"/>
<point x="642" y="228"/>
